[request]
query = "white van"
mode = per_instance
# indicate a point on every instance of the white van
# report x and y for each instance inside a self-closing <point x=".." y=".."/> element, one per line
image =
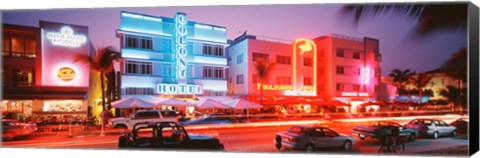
<point x="143" y="116"/>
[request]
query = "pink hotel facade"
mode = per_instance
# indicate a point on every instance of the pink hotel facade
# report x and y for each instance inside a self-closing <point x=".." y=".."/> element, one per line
<point x="329" y="67"/>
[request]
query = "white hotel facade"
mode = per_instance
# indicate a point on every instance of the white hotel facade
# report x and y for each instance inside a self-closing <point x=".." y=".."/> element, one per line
<point x="171" y="57"/>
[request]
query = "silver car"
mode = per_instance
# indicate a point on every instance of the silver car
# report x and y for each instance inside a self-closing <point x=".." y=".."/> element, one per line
<point x="432" y="127"/>
<point x="309" y="138"/>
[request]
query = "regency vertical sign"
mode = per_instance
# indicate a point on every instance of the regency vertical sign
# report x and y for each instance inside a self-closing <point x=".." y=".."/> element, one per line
<point x="181" y="46"/>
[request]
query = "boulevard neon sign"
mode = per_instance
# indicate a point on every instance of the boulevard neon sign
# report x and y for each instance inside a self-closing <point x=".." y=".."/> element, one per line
<point x="355" y="94"/>
<point x="181" y="46"/>
<point x="66" y="38"/>
<point x="178" y="89"/>
<point x="275" y="87"/>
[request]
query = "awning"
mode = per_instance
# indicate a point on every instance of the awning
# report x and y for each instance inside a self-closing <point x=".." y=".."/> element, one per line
<point x="44" y="92"/>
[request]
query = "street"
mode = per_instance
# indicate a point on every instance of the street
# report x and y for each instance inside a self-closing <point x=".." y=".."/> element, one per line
<point x="242" y="139"/>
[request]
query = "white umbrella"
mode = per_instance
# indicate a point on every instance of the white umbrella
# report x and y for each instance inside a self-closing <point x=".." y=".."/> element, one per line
<point x="132" y="102"/>
<point x="175" y="102"/>
<point x="243" y="104"/>
<point x="210" y="104"/>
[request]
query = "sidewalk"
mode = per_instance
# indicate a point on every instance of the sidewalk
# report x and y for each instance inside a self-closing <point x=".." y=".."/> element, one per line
<point x="450" y="151"/>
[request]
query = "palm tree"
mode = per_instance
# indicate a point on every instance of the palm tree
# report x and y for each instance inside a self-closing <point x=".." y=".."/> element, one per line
<point x="431" y="17"/>
<point x="454" y="95"/>
<point x="263" y="68"/>
<point x="401" y="78"/>
<point x="456" y="66"/>
<point x="421" y="81"/>
<point x="102" y="63"/>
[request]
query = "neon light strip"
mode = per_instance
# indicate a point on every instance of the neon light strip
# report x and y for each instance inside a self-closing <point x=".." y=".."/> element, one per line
<point x="295" y="63"/>
<point x="209" y="60"/>
<point x="136" y="16"/>
<point x="203" y="26"/>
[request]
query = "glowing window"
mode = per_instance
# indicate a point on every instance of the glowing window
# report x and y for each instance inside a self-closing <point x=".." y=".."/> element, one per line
<point x="307" y="81"/>
<point x="281" y="59"/>
<point x="141" y="42"/>
<point x="259" y="56"/>
<point x="307" y="61"/>
<point x="340" y="70"/>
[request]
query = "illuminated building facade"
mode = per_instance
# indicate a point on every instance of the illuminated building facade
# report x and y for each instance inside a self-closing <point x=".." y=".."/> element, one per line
<point x="171" y="57"/>
<point x="349" y="69"/>
<point x="327" y="67"/>
<point x="40" y="76"/>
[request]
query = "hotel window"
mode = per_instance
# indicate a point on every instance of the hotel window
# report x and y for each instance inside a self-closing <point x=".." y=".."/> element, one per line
<point x="213" y="72"/>
<point x="190" y="71"/>
<point x="138" y="91"/>
<point x="356" y="87"/>
<point x="214" y="50"/>
<point x="166" y="45"/>
<point x="340" y="87"/>
<point x="254" y="78"/>
<point x="356" y="55"/>
<point x="138" y="67"/>
<point x="166" y="70"/>
<point x="23" y="77"/>
<point x="19" y="47"/>
<point x="190" y="48"/>
<point x="340" y="52"/>
<point x="133" y="41"/>
<point x="281" y="59"/>
<point x="358" y="72"/>
<point x="239" y="79"/>
<point x="240" y="58"/>
<point x="340" y="70"/>
<point x="259" y="56"/>
<point x="307" y="61"/>
<point x="307" y="81"/>
<point x="283" y="80"/>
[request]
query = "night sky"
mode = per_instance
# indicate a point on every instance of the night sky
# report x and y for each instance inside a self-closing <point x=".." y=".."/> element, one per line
<point x="287" y="22"/>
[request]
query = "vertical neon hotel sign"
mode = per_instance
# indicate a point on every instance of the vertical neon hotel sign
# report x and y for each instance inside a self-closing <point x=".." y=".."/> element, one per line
<point x="181" y="55"/>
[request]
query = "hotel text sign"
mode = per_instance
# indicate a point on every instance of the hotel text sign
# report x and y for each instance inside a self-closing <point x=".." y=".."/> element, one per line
<point x="181" y="46"/>
<point x="66" y="38"/>
<point x="355" y="94"/>
<point x="178" y="89"/>
<point x="66" y="74"/>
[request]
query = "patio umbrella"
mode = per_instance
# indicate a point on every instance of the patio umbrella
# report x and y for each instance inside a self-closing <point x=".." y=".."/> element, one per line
<point x="212" y="104"/>
<point x="243" y="104"/>
<point x="132" y="102"/>
<point x="175" y="102"/>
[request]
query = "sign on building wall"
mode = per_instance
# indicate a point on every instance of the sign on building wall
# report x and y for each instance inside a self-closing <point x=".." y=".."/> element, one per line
<point x="304" y="55"/>
<point x="60" y="44"/>
<point x="181" y="46"/>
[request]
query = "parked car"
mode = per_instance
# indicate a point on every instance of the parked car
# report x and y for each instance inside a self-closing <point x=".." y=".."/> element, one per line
<point x="381" y="129"/>
<point x="12" y="129"/>
<point x="432" y="127"/>
<point x="461" y="124"/>
<point x="309" y="138"/>
<point x="125" y="123"/>
<point x="211" y="119"/>
<point x="166" y="135"/>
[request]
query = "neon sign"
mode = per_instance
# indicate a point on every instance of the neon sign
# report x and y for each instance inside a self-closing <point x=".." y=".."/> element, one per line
<point x="66" y="38"/>
<point x="66" y="74"/>
<point x="178" y="89"/>
<point x="355" y="94"/>
<point x="304" y="47"/>
<point x="181" y="46"/>
<point x="274" y="87"/>
<point x="365" y="75"/>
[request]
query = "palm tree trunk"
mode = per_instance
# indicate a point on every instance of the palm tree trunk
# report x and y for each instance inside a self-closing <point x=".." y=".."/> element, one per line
<point x="102" y="86"/>
<point x="261" y="93"/>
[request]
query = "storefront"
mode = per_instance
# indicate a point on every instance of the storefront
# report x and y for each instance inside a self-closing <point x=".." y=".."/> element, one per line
<point x="55" y="86"/>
